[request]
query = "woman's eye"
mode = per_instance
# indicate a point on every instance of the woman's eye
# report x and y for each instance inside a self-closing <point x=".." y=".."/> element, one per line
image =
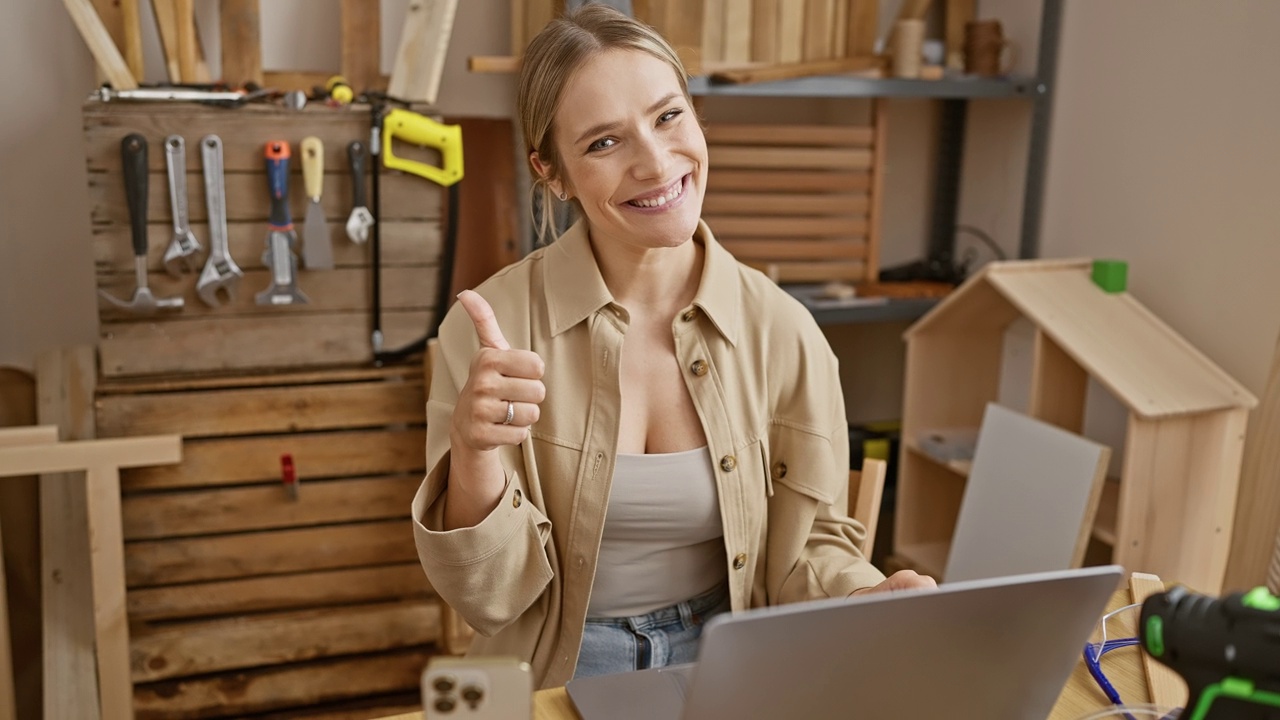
<point x="669" y="115"/>
<point x="601" y="144"/>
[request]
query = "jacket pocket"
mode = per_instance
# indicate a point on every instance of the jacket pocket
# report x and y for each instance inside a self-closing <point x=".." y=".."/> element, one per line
<point x="803" y="462"/>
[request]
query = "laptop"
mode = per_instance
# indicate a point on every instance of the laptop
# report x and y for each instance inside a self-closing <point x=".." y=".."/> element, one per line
<point x="994" y="649"/>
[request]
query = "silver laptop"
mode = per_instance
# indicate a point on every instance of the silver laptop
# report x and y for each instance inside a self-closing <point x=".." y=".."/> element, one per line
<point x="996" y="649"/>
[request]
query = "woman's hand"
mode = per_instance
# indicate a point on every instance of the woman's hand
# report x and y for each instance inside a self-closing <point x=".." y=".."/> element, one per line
<point x="901" y="580"/>
<point x="496" y="407"/>
<point x="504" y="388"/>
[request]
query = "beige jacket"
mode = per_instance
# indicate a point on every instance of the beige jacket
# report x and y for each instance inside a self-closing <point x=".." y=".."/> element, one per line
<point x="765" y="384"/>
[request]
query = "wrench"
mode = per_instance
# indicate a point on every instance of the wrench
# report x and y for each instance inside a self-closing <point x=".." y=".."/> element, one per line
<point x="220" y="271"/>
<point x="281" y="238"/>
<point x="180" y="255"/>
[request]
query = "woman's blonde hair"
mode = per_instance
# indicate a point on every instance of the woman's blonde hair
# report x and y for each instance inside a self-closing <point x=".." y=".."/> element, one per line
<point x="551" y="59"/>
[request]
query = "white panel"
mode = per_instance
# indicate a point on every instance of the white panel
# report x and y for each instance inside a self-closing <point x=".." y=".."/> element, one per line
<point x="1016" y="361"/>
<point x="1106" y="421"/>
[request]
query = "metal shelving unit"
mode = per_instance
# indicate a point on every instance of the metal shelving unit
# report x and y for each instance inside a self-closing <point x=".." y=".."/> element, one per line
<point x="955" y="94"/>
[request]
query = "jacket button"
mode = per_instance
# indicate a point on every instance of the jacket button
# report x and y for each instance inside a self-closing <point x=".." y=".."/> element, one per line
<point x="515" y="498"/>
<point x="698" y="368"/>
<point x="780" y="470"/>
<point x="689" y="315"/>
<point x="740" y="561"/>
<point x="728" y="463"/>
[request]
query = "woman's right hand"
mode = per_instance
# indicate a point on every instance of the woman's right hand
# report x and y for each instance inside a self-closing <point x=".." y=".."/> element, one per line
<point x="504" y="389"/>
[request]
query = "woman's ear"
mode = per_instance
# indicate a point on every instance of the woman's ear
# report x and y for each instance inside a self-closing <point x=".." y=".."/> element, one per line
<point x="547" y="173"/>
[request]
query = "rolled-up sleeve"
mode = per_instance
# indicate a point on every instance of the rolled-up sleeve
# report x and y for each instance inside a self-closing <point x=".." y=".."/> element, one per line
<point x="491" y="572"/>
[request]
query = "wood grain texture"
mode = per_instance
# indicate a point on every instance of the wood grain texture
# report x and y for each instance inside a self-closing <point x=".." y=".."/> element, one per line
<point x="1258" y="507"/>
<point x="167" y="29"/>
<point x="488" y="214"/>
<point x="791" y="27"/>
<point x="362" y="43"/>
<point x="241" y="41"/>
<point x="773" y="134"/>
<point x="101" y="45"/>
<point x="294" y="591"/>
<point x="424" y="41"/>
<point x="760" y="158"/>
<point x="863" y="25"/>
<point x="209" y="646"/>
<point x="765" y="17"/>
<point x="808" y="227"/>
<point x="110" y="620"/>
<point x="713" y="32"/>
<point x="1167" y="687"/>
<point x="818" y="16"/>
<point x="308" y="684"/>
<point x="784" y="204"/>
<point x="737" y="31"/>
<point x="788" y="71"/>
<point x="131" y="41"/>
<point x="788" y="180"/>
<point x="185" y="22"/>
<point x="242" y="460"/>
<point x="167" y="562"/>
<point x="875" y="198"/>
<point x="65" y="381"/>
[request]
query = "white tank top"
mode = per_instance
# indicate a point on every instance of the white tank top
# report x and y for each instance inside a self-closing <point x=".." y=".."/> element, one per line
<point x="663" y="542"/>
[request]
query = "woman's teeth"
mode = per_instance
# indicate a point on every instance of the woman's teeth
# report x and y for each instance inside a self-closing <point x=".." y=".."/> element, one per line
<point x="661" y="200"/>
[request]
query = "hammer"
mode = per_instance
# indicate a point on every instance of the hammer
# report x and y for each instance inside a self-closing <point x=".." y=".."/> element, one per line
<point x="133" y="156"/>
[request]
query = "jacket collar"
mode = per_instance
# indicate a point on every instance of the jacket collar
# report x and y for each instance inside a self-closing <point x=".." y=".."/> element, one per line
<point x="575" y="288"/>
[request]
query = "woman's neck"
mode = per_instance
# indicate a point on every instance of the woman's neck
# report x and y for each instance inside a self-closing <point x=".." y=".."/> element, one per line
<point x="650" y="280"/>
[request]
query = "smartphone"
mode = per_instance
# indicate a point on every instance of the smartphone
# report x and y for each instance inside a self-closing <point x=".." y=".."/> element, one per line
<point x="482" y="688"/>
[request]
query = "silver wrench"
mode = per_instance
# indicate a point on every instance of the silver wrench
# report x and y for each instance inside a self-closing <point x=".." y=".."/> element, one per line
<point x="220" y="271"/>
<point x="180" y="255"/>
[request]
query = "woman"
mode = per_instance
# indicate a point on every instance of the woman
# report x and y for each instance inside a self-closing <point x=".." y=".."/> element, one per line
<point x="628" y="431"/>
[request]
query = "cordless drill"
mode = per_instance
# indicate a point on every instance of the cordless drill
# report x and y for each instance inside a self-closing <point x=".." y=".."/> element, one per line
<point x="1228" y="650"/>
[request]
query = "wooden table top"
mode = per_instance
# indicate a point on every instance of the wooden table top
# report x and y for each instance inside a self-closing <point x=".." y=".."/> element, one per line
<point x="1080" y="697"/>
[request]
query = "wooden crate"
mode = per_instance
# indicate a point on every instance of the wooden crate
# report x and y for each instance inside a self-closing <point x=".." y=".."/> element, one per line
<point x="242" y="599"/>
<point x="334" y="329"/>
<point x="799" y="202"/>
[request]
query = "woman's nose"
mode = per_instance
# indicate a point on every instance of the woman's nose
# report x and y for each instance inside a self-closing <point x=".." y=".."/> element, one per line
<point x="652" y="158"/>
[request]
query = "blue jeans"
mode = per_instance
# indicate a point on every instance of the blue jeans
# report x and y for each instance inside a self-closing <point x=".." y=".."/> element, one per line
<point x="667" y="636"/>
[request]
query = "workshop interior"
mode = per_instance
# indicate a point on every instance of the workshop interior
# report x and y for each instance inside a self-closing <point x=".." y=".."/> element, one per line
<point x="1039" y="236"/>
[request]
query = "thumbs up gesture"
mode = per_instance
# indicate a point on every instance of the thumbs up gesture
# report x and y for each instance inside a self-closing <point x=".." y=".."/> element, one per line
<point x="501" y="398"/>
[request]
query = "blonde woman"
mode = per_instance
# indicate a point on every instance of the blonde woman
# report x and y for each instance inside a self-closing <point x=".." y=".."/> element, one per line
<point x="629" y="431"/>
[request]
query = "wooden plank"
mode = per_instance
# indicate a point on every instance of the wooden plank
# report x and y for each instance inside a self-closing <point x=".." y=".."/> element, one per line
<point x="127" y="349"/>
<point x="241" y="41"/>
<point x="1258" y="508"/>
<point x="791" y="70"/>
<point x="795" y="249"/>
<point x="840" y="29"/>
<point x="75" y="457"/>
<point x="805" y="272"/>
<point x="200" y="512"/>
<point x="863" y="26"/>
<point x="165" y="562"/>
<point x="791" y="21"/>
<point x="404" y="197"/>
<point x="537" y="13"/>
<point x="264" y="410"/>
<point x="329" y="290"/>
<point x="749" y="227"/>
<point x="20" y="622"/>
<point x="242" y="460"/>
<point x="284" y="686"/>
<point x="271" y="639"/>
<point x="65" y="381"/>
<point x="726" y="203"/>
<point x="404" y="243"/>
<point x="789" y="134"/>
<point x="519" y="40"/>
<point x="111" y="14"/>
<point x="279" y="592"/>
<point x="865" y="490"/>
<point x="167" y="29"/>
<point x="185" y="22"/>
<point x="131" y="41"/>
<point x="28" y="435"/>
<point x="1058" y="386"/>
<point x="713" y="32"/>
<point x="110" y="621"/>
<point x="765" y="16"/>
<point x="271" y="377"/>
<point x="958" y="14"/>
<point x="361" y="43"/>
<point x="761" y="158"/>
<point x="488" y="213"/>
<point x="879" y="162"/>
<point x="796" y="181"/>
<point x="818" y="16"/>
<point x="104" y="50"/>
<point x="684" y="32"/>
<point x="1167" y="688"/>
<point x="424" y="43"/>
<point x="737" y="31"/>
<point x="1030" y="499"/>
<point x="493" y="64"/>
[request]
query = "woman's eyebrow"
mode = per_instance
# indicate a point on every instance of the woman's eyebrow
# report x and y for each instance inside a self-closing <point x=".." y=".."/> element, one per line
<point x="606" y="127"/>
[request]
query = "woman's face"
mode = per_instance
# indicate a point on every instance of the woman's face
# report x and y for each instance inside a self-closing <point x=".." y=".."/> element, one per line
<point x="631" y="150"/>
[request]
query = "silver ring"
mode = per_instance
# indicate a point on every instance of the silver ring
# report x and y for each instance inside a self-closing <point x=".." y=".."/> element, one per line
<point x="511" y="413"/>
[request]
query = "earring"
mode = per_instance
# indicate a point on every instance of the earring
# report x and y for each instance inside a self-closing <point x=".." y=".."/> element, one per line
<point x="564" y="196"/>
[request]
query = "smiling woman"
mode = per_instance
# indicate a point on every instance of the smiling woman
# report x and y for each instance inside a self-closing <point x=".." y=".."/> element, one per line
<point x="629" y="431"/>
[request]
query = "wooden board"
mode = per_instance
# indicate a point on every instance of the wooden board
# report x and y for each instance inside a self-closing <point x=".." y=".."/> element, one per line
<point x="863" y="25"/>
<point x="1029" y="501"/>
<point x="1167" y="688"/>
<point x="362" y="44"/>
<point x="104" y="50"/>
<point x="1257" y="518"/>
<point x="424" y="42"/>
<point x="241" y="41"/>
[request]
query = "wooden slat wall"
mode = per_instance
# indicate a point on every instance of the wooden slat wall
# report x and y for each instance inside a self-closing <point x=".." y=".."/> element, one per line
<point x="242" y="599"/>
<point x="798" y="202"/>
<point x="334" y="327"/>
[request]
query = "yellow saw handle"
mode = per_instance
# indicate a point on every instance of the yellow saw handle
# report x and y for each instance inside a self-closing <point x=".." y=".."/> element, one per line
<point x="425" y="132"/>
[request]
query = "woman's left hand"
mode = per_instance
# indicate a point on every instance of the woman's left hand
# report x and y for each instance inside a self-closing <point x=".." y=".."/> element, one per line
<point x="901" y="580"/>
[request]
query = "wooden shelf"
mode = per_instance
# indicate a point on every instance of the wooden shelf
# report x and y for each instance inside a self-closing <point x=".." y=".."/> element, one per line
<point x="925" y="558"/>
<point x="959" y="467"/>
<point x="1104" y="523"/>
